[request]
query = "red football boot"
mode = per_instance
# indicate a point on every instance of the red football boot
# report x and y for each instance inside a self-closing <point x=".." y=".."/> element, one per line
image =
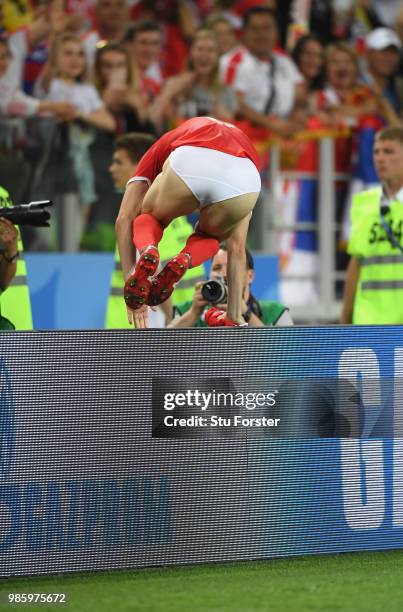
<point x="163" y="284"/>
<point x="213" y="317"/>
<point x="137" y="286"/>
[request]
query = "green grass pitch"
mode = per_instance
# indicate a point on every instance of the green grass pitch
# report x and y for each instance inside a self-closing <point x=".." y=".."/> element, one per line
<point x="358" y="582"/>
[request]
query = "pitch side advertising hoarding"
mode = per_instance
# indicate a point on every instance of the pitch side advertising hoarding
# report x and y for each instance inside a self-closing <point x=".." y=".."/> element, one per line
<point x="135" y="448"/>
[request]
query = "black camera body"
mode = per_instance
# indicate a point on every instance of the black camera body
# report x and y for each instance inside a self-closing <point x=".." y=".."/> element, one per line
<point x="215" y="291"/>
<point x="34" y="214"/>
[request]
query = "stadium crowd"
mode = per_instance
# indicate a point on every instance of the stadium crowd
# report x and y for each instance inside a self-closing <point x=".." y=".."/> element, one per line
<point x="77" y="74"/>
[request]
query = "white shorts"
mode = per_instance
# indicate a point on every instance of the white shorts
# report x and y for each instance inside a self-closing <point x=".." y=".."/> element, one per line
<point x="213" y="176"/>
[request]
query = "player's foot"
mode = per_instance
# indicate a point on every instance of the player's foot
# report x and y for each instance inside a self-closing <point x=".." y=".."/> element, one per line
<point x="215" y="317"/>
<point x="163" y="284"/>
<point x="137" y="286"/>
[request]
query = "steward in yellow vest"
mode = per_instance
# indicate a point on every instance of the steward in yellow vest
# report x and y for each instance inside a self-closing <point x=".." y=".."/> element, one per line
<point x="15" y="301"/>
<point x="374" y="285"/>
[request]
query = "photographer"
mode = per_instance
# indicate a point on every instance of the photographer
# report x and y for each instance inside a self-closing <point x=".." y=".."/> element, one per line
<point x="15" y="302"/>
<point x="255" y="313"/>
<point x="8" y="261"/>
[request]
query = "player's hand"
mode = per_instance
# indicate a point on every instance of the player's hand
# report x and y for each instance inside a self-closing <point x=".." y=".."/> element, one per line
<point x="130" y="315"/>
<point x="140" y="317"/>
<point x="8" y="237"/>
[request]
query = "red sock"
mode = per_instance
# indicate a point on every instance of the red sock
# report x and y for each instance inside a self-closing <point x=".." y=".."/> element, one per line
<point x="200" y="247"/>
<point x="146" y="230"/>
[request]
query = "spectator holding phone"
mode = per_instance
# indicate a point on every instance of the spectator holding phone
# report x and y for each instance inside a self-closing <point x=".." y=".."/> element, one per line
<point x="119" y="89"/>
<point x="198" y="91"/>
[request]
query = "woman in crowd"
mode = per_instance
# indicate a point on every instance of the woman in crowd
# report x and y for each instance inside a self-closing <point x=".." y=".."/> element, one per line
<point x="308" y="55"/>
<point x="64" y="80"/>
<point x="345" y="99"/>
<point x="224" y="31"/>
<point x="15" y="103"/>
<point x="120" y="90"/>
<point x="198" y="91"/>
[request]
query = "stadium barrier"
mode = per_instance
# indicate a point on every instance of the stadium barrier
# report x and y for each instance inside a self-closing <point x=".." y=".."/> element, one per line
<point x="70" y="291"/>
<point x="94" y="476"/>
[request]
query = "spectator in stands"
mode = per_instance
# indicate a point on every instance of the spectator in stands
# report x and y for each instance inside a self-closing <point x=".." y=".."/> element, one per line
<point x="15" y="103"/>
<point x="144" y="41"/>
<point x="264" y="79"/>
<point x="256" y="313"/>
<point x="227" y="40"/>
<point x="198" y="91"/>
<point x="64" y="80"/>
<point x="234" y="10"/>
<point x="345" y="98"/>
<point x="308" y="55"/>
<point x="117" y="84"/>
<point x="57" y="21"/>
<point x="111" y="23"/>
<point x="23" y="40"/>
<point x="178" y="23"/>
<point x="382" y="62"/>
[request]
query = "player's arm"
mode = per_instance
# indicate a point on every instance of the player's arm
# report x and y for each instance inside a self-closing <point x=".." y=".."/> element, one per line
<point x="129" y="210"/>
<point x="353" y="274"/>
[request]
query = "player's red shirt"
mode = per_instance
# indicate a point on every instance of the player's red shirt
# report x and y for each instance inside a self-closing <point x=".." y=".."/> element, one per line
<point x="198" y="132"/>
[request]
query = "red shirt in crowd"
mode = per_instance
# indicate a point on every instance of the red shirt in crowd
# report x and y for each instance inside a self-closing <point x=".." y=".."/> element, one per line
<point x="203" y="132"/>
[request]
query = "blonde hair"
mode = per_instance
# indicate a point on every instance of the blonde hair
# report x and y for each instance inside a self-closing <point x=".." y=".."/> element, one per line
<point x="344" y="48"/>
<point x="203" y="34"/>
<point x="55" y="50"/>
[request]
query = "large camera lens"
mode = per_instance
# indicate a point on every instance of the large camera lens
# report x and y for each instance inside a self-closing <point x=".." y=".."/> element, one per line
<point x="214" y="292"/>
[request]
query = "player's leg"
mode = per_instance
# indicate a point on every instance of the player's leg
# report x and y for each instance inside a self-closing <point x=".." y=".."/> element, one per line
<point x="221" y="218"/>
<point x="236" y="268"/>
<point x="230" y="220"/>
<point x="167" y="198"/>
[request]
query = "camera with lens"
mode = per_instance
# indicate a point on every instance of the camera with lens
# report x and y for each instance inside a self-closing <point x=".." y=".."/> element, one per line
<point x="215" y="291"/>
<point x="34" y="214"/>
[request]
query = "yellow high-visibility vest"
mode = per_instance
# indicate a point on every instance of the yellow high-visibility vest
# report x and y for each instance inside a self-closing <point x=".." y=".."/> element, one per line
<point x="15" y="301"/>
<point x="172" y="243"/>
<point x="379" y="293"/>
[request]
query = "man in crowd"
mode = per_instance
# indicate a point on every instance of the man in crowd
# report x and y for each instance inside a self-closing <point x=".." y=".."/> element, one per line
<point x="256" y="313"/>
<point x="264" y="79"/>
<point x="111" y="23"/>
<point x="144" y="41"/>
<point x="374" y="283"/>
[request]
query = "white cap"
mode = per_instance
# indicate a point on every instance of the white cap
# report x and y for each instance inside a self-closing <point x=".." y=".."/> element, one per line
<point x="382" y="38"/>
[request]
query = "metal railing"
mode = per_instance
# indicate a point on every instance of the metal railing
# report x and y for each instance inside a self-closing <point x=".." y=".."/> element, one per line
<point x="327" y="308"/>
